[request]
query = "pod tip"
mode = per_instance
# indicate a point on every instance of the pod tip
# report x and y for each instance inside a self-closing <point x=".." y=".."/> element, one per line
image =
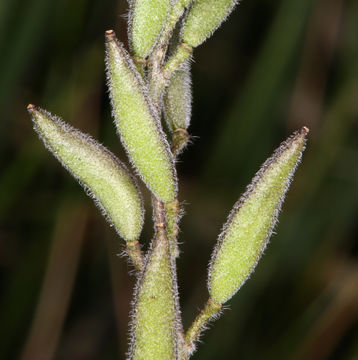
<point x="31" y="107"/>
<point x="110" y="33"/>
<point x="305" y="130"/>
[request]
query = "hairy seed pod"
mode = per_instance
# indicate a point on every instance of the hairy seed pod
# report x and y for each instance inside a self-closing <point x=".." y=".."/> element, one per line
<point x="154" y="328"/>
<point x="146" y="18"/>
<point x="204" y="17"/>
<point x="177" y="99"/>
<point x="250" y="223"/>
<point x="102" y="175"/>
<point x="138" y="123"/>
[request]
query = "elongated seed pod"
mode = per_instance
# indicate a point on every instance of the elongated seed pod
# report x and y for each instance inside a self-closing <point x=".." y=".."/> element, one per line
<point x="138" y="123"/>
<point x="204" y="17"/>
<point x="102" y="175"/>
<point x="250" y="223"/>
<point x="177" y="99"/>
<point x="146" y="20"/>
<point x="154" y="327"/>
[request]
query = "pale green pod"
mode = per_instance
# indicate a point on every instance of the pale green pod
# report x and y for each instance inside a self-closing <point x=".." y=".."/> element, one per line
<point x="154" y="330"/>
<point x="146" y="18"/>
<point x="250" y="223"/>
<point x="177" y="99"/>
<point x="204" y="17"/>
<point x="138" y="123"/>
<point x="102" y="175"/>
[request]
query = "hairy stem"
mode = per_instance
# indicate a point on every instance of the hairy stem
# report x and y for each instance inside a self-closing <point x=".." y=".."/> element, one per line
<point x="172" y="215"/>
<point x="135" y="254"/>
<point x="176" y="13"/>
<point x="210" y="310"/>
<point x="159" y="76"/>
<point x="182" y="53"/>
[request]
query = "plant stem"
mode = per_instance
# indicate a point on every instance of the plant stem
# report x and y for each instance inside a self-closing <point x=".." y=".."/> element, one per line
<point x="175" y="14"/>
<point x="182" y="53"/>
<point x="156" y="78"/>
<point x="210" y="310"/>
<point x="172" y="215"/>
<point x="135" y="254"/>
<point x="159" y="76"/>
<point x="140" y="64"/>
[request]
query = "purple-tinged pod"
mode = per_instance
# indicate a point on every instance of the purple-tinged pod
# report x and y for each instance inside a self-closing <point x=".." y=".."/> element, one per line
<point x="252" y="219"/>
<point x="138" y="123"/>
<point x="101" y="174"/>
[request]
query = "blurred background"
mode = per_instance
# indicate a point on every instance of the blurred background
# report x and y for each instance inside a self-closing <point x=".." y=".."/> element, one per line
<point x="273" y="67"/>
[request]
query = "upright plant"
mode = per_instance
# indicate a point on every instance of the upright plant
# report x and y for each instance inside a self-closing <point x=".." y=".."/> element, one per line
<point x="147" y="85"/>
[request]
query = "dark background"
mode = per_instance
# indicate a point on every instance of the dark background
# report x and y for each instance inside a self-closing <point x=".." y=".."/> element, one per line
<point x="273" y="67"/>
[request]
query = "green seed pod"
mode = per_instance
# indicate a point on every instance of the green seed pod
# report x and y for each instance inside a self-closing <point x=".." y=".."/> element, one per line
<point x="154" y="327"/>
<point x="102" y="175"/>
<point x="138" y="123"/>
<point x="204" y="17"/>
<point x="177" y="99"/>
<point x="250" y="223"/>
<point x="146" y="19"/>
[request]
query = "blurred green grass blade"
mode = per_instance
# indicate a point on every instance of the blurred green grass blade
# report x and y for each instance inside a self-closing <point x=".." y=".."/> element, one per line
<point x="30" y="156"/>
<point x="5" y="10"/>
<point x="18" y="175"/>
<point x="249" y="116"/>
<point x="58" y="282"/>
<point x="16" y="305"/>
<point x="23" y="35"/>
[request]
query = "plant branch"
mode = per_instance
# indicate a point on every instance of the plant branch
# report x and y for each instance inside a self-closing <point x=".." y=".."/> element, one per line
<point x="172" y="219"/>
<point x="210" y="310"/>
<point x="135" y="254"/>
<point x="176" y="13"/>
<point x="159" y="76"/>
<point x="182" y="53"/>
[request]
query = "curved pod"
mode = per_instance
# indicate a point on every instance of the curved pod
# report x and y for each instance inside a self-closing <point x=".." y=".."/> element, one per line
<point x="250" y="223"/>
<point x="102" y="175"/>
<point x="138" y="124"/>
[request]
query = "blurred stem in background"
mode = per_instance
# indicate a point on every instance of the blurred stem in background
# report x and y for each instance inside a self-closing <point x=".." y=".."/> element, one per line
<point x="60" y="275"/>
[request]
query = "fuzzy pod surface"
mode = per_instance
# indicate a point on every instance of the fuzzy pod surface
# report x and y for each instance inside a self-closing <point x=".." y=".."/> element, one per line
<point x="102" y="175"/>
<point x="204" y="17"/>
<point x="138" y="123"/>
<point x="251" y="221"/>
<point x="177" y="99"/>
<point x="147" y="18"/>
<point x="154" y="327"/>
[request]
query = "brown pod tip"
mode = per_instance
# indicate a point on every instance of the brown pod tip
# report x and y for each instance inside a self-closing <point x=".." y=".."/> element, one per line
<point x="31" y="107"/>
<point x="305" y="130"/>
<point x="110" y="33"/>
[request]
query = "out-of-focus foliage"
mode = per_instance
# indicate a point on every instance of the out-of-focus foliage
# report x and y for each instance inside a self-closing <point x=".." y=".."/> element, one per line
<point x="272" y="68"/>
